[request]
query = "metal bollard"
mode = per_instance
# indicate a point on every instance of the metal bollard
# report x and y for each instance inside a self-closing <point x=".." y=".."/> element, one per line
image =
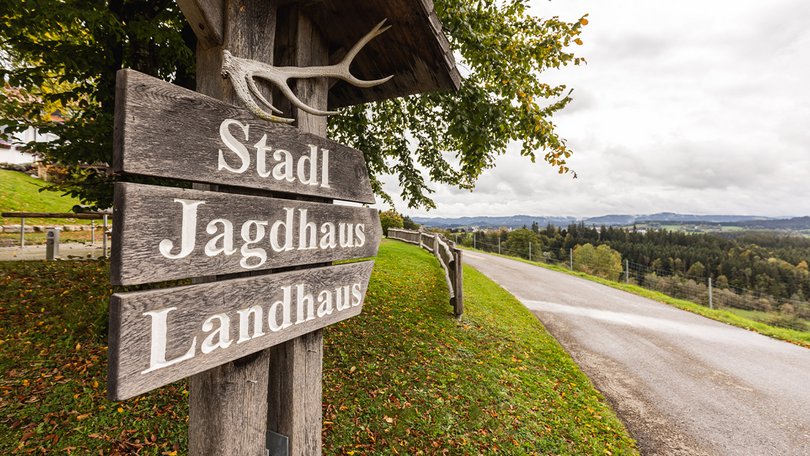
<point x="52" y="244"/>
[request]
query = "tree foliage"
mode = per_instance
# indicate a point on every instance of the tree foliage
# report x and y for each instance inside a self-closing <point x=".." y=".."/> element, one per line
<point x="600" y="261"/>
<point x="63" y="55"/>
<point x="390" y="219"/>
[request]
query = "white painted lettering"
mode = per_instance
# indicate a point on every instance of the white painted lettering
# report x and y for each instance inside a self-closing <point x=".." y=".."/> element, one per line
<point x="346" y="234"/>
<point x="307" y="232"/>
<point x="342" y="300"/>
<point x="325" y="303"/>
<point x="211" y="248"/>
<point x="357" y="295"/>
<point x="328" y="240"/>
<point x="288" y="232"/>
<point x="234" y="146"/>
<point x="284" y="169"/>
<point x="188" y="231"/>
<point x="305" y="305"/>
<point x="247" y="251"/>
<point x="157" y="348"/>
<point x="220" y="334"/>
<point x="244" y="323"/>
<point x="360" y="232"/>
<point x="284" y="304"/>
<point x="312" y="160"/>
<point x="324" y="168"/>
<point x="261" y="156"/>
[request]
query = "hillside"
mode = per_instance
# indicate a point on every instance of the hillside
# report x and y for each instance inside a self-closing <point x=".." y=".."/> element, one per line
<point x="518" y="221"/>
<point x="20" y="193"/>
<point x="404" y="377"/>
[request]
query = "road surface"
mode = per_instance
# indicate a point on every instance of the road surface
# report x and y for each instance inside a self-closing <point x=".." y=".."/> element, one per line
<point x="683" y="384"/>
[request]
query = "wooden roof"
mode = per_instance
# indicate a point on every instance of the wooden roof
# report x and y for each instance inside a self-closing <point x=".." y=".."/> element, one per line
<point x="414" y="49"/>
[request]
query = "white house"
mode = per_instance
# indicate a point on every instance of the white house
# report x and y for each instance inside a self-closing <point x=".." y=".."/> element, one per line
<point x="11" y="151"/>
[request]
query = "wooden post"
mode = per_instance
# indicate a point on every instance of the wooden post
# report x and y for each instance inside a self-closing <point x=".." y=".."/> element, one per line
<point x="22" y="232"/>
<point x="228" y="404"/>
<point x="458" y="282"/>
<point x="296" y="367"/>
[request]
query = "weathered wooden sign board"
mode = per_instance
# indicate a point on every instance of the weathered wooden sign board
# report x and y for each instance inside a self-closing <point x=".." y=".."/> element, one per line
<point x="159" y="336"/>
<point x="167" y="233"/>
<point x="167" y="131"/>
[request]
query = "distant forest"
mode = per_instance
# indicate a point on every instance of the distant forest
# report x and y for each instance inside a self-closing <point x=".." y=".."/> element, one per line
<point x="771" y="266"/>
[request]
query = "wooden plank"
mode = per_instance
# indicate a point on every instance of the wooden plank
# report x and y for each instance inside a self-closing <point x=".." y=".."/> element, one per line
<point x="206" y="18"/>
<point x="167" y="233"/>
<point x="165" y="130"/>
<point x="160" y="336"/>
<point x="73" y="215"/>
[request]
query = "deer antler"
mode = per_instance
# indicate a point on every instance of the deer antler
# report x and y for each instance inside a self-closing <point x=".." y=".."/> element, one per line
<point x="242" y="72"/>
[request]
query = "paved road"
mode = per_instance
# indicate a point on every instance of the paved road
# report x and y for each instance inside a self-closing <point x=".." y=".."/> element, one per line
<point x="683" y="384"/>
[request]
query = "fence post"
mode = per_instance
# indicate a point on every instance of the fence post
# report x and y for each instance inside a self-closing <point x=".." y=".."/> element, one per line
<point x="104" y="236"/>
<point x="711" y="304"/>
<point x="458" y="283"/>
<point x="626" y="271"/>
<point x="499" y="243"/>
<point x="22" y="231"/>
<point x="92" y="232"/>
<point x="474" y="245"/>
<point x="571" y="258"/>
<point x="530" y="251"/>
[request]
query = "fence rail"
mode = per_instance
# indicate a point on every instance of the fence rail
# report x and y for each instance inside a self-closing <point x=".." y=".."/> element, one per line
<point x="81" y="215"/>
<point x="449" y="257"/>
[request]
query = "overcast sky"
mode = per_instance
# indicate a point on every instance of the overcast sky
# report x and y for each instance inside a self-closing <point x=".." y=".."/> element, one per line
<point x="689" y="106"/>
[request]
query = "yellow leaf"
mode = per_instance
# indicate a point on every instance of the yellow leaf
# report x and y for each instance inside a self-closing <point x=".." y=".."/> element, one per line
<point x="578" y="41"/>
<point x="583" y="21"/>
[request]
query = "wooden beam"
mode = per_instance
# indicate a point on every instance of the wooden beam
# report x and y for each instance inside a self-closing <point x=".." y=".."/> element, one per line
<point x="296" y="367"/>
<point x="206" y="18"/>
<point x="228" y="404"/>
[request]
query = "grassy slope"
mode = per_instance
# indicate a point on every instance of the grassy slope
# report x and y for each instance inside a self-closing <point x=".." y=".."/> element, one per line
<point x="20" y="193"/>
<point x="731" y="317"/>
<point x="402" y="377"/>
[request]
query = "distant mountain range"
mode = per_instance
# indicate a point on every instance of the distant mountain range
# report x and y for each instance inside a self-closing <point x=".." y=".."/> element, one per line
<point x="517" y="221"/>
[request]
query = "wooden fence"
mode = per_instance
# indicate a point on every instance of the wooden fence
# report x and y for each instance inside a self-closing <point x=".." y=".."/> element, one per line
<point x="449" y="257"/>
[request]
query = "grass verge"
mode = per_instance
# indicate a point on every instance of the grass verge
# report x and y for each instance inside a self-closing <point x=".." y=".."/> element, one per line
<point x="404" y="377"/>
<point x="730" y="317"/>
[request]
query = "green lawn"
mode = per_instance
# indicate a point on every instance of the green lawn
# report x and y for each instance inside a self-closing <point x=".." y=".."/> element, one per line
<point x="405" y="377"/>
<point x="20" y="193"/>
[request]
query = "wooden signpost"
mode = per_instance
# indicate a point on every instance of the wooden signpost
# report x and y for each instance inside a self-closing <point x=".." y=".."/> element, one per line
<point x="257" y="232"/>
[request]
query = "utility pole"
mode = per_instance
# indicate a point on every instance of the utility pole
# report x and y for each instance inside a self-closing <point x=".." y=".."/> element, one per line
<point x="626" y="271"/>
<point x="711" y="304"/>
<point x="571" y="258"/>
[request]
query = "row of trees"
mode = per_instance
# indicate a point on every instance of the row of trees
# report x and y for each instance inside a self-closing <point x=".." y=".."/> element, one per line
<point x="768" y="265"/>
